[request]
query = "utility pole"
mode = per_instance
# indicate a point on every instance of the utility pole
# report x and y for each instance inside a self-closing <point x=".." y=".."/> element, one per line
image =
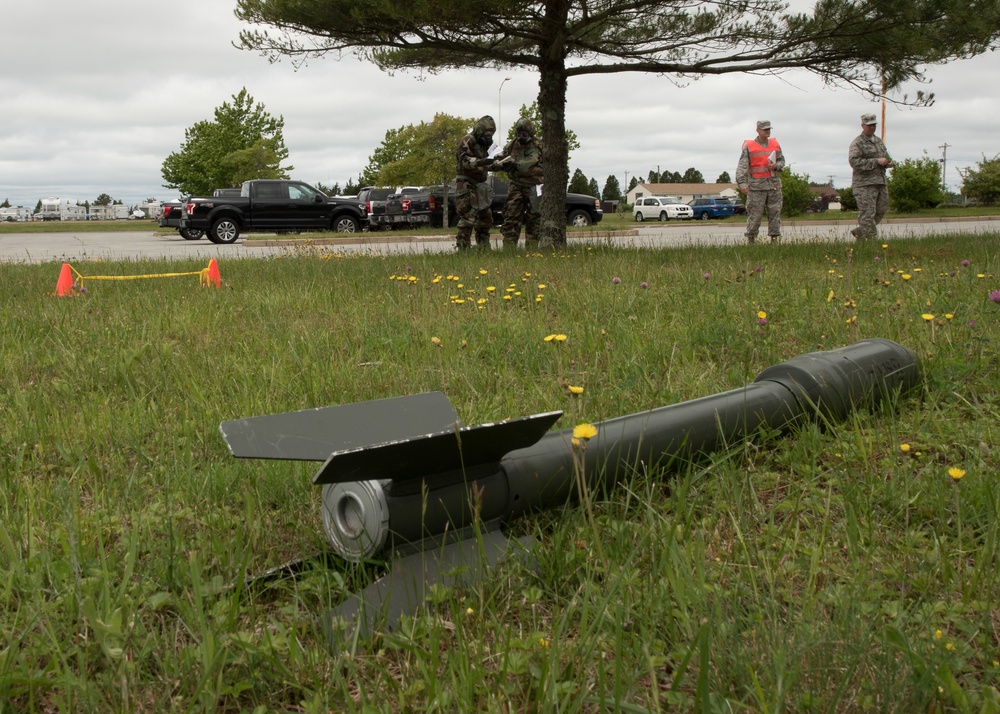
<point x="944" y="166"/>
<point x="625" y="192"/>
<point x="830" y="176"/>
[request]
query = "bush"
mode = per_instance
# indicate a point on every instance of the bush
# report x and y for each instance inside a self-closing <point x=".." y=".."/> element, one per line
<point x="915" y="184"/>
<point x="983" y="184"/>
<point x="795" y="193"/>
<point x="847" y="200"/>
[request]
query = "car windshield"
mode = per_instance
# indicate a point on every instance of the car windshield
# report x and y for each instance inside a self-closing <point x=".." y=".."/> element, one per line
<point x="672" y="200"/>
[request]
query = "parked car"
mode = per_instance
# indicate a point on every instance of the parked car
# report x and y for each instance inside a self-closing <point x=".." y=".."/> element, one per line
<point x="272" y="206"/>
<point x="660" y="208"/>
<point x="739" y="209"/>
<point x="705" y="208"/>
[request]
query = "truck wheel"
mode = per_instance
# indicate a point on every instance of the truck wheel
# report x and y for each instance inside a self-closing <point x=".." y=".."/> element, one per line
<point x="225" y="231"/>
<point x="579" y="218"/>
<point x="664" y="216"/>
<point x="638" y="217"/>
<point x="346" y="224"/>
<point x="190" y="233"/>
<point x="704" y="216"/>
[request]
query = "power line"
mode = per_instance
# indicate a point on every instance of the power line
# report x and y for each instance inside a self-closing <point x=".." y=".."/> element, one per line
<point x="944" y="166"/>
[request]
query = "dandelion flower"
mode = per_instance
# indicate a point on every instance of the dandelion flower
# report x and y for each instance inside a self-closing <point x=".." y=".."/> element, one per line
<point x="927" y="316"/>
<point x="575" y="390"/>
<point x="906" y="276"/>
<point x="905" y="448"/>
<point x="762" y="315"/>
<point x="956" y="473"/>
<point x="584" y="431"/>
<point x="436" y="341"/>
<point x="469" y="611"/>
<point x="948" y="315"/>
<point x="560" y="338"/>
<point x="549" y="338"/>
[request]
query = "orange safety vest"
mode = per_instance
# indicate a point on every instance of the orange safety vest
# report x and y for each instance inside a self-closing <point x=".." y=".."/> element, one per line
<point x="759" y="155"/>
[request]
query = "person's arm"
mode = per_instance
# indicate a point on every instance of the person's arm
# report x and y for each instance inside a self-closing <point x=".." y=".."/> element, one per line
<point x="743" y="169"/>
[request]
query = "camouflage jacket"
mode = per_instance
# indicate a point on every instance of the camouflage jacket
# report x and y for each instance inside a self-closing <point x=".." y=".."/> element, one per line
<point x="470" y="151"/>
<point x="527" y="168"/>
<point x="863" y="156"/>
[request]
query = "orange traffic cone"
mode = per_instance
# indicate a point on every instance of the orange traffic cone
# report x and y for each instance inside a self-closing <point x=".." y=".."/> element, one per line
<point x="213" y="277"/>
<point x="64" y="286"/>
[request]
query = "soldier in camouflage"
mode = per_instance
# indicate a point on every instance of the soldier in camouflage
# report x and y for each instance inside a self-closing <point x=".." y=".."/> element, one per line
<point x="869" y="159"/>
<point x="524" y="153"/>
<point x="473" y="193"/>
<point x="757" y="176"/>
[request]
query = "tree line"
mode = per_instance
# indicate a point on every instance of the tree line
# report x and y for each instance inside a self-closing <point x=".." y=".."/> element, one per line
<point x="245" y="142"/>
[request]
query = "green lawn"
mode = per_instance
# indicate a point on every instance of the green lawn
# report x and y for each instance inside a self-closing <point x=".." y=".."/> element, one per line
<point x="845" y="567"/>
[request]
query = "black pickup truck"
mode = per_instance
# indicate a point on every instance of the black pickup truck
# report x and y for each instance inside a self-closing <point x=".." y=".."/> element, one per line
<point x="425" y="207"/>
<point x="272" y="206"/>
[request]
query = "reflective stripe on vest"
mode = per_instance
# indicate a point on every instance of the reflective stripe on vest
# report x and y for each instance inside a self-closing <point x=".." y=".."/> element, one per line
<point x="759" y="155"/>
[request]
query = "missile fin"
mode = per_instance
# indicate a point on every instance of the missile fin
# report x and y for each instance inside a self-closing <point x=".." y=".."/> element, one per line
<point x="441" y="452"/>
<point x="314" y="434"/>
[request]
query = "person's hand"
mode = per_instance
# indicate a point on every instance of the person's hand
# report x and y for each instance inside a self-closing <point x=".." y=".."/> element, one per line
<point x="488" y="161"/>
<point x="504" y="163"/>
<point x="744" y="187"/>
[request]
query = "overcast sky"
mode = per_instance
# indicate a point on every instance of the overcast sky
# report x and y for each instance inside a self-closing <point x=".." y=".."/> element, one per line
<point x="95" y="95"/>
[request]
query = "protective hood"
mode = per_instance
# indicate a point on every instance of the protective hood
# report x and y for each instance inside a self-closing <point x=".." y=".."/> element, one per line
<point x="484" y="124"/>
<point x="525" y="124"/>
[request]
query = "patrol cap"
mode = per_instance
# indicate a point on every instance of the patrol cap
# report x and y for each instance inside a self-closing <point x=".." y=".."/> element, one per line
<point x="763" y="124"/>
<point x="867" y="119"/>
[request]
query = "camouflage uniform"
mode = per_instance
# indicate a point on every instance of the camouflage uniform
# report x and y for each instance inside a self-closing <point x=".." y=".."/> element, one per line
<point x="523" y="199"/>
<point x="474" y="195"/>
<point x="763" y="192"/>
<point x="868" y="180"/>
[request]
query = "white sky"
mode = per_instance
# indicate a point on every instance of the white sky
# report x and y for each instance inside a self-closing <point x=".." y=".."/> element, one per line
<point x="95" y="95"/>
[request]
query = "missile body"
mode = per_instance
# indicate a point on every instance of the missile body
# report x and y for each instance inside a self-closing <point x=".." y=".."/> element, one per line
<point x="422" y="478"/>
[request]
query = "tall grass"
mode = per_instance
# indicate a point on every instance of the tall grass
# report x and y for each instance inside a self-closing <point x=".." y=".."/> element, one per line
<point x="838" y="569"/>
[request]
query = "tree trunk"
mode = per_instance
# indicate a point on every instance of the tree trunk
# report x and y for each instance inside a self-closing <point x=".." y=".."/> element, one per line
<point x="552" y="108"/>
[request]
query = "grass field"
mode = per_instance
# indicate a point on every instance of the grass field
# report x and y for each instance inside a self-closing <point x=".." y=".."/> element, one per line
<point x="840" y="569"/>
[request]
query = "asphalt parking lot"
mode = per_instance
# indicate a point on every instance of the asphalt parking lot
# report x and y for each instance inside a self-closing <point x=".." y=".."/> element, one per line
<point x="138" y="245"/>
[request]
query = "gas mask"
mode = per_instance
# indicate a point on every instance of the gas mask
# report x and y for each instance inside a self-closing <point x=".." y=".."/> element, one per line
<point x="486" y="141"/>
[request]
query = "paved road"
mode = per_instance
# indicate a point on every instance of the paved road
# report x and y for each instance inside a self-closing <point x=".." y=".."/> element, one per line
<point x="70" y="247"/>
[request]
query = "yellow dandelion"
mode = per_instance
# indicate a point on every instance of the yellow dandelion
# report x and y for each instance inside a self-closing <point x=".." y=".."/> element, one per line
<point x="481" y="301"/>
<point x="560" y="338"/>
<point x="575" y="442"/>
<point x="762" y="315"/>
<point x="459" y="301"/>
<point x="938" y="634"/>
<point x="585" y="431"/>
<point x="541" y="286"/>
<point x="538" y="298"/>
<point x="980" y="275"/>
<point x="575" y="390"/>
<point x="491" y="288"/>
<point x="927" y="316"/>
<point x="829" y="298"/>
<point x="507" y="297"/>
<point x="956" y="473"/>
<point x="950" y="646"/>
<point x="885" y="245"/>
<point x="469" y="611"/>
<point x="905" y="448"/>
<point x="948" y="315"/>
<point x="464" y="344"/>
<point x="549" y="338"/>
<point x="436" y="341"/>
<point x="483" y="271"/>
<point x="906" y="276"/>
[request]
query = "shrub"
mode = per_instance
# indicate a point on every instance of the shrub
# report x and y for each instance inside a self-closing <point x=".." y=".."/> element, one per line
<point x="983" y="183"/>
<point x="915" y="184"/>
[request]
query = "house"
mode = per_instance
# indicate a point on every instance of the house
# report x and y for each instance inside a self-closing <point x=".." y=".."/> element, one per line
<point x="683" y="191"/>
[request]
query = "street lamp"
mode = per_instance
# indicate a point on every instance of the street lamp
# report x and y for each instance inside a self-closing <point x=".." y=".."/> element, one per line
<point x="500" y="107"/>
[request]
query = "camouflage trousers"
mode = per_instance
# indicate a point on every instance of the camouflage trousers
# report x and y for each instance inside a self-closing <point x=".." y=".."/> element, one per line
<point x="873" y="202"/>
<point x="469" y="218"/>
<point x="757" y="203"/>
<point x="521" y="207"/>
